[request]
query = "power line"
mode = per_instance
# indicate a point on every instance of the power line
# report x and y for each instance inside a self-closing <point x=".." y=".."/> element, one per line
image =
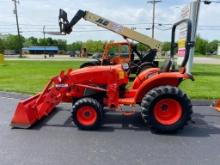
<point x="84" y="25"/>
<point x="154" y="2"/>
<point x="40" y="26"/>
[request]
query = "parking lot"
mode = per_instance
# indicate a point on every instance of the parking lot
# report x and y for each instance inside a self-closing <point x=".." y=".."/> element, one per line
<point x="122" y="140"/>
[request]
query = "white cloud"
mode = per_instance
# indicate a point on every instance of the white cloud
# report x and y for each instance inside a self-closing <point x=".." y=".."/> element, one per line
<point x="44" y="12"/>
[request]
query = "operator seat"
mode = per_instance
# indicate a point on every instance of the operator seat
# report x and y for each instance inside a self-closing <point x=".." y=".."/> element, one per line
<point x="166" y="66"/>
<point x="150" y="56"/>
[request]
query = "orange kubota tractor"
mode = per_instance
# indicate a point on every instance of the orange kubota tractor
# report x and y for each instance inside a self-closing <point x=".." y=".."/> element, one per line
<point x="164" y="107"/>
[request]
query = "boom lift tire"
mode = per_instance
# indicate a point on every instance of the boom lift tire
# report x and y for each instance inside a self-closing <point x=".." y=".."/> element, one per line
<point x="87" y="114"/>
<point x="166" y="109"/>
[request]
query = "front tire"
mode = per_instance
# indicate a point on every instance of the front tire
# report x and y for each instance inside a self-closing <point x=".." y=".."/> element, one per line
<point x="166" y="109"/>
<point x="87" y="114"/>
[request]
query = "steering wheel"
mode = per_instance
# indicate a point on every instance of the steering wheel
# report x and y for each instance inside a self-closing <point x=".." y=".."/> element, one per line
<point x="133" y="65"/>
<point x="128" y="68"/>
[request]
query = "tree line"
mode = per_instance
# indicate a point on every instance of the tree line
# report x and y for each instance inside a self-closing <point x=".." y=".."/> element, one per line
<point x="11" y="42"/>
<point x="203" y="46"/>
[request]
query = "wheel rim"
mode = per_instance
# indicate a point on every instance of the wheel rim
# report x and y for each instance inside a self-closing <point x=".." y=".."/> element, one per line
<point x="86" y="115"/>
<point x="168" y="111"/>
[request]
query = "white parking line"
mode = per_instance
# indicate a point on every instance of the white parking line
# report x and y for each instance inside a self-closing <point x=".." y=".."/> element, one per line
<point x="9" y="98"/>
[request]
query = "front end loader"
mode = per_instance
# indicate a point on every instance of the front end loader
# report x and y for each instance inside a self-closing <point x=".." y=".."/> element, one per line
<point x="164" y="107"/>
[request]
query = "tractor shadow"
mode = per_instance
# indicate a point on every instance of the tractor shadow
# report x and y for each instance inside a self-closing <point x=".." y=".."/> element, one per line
<point x="112" y="121"/>
<point x="116" y="121"/>
<point x="202" y="125"/>
<point x="52" y="121"/>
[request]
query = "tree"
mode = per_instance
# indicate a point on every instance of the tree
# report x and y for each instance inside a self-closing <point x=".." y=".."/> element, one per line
<point x="12" y="42"/>
<point x="213" y="46"/>
<point x="201" y="45"/>
<point x="62" y="45"/>
<point x="142" y="47"/>
<point x="93" y="46"/>
<point x="75" y="46"/>
<point x="166" y="46"/>
<point x="50" y="41"/>
<point x="2" y="45"/>
<point x="99" y="46"/>
<point x="42" y="42"/>
<point x="32" y="41"/>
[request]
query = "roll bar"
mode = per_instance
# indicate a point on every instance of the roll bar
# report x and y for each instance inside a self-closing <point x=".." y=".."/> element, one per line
<point x="189" y="42"/>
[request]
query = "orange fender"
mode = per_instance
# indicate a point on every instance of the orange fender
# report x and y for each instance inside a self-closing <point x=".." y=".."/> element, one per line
<point x="161" y="79"/>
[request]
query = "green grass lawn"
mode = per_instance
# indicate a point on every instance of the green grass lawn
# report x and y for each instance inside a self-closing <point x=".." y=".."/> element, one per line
<point x="216" y="56"/>
<point x="208" y="56"/>
<point x="206" y="84"/>
<point x="31" y="76"/>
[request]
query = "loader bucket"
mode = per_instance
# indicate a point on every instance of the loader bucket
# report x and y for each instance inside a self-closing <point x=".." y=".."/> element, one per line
<point x="217" y="105"/>
<point x="33" y="109"/>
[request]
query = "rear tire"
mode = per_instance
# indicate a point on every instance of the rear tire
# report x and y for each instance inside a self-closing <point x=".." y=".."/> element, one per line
<point x="87" y="114"/>
<point x="166" y="109"/>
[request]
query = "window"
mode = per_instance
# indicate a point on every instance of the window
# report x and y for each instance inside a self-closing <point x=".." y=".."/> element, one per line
<point x="124" y="51"/>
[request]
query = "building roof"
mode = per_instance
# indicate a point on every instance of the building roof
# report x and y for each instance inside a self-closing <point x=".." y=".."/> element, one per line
<point x="42" y="48"/>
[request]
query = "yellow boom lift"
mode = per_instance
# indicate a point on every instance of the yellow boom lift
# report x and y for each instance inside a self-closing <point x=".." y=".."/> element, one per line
<point x="144" y="62"/>
<point x="127" y="33"/>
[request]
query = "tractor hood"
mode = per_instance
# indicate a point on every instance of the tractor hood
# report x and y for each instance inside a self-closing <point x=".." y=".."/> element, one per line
<point x="100" y="75"/>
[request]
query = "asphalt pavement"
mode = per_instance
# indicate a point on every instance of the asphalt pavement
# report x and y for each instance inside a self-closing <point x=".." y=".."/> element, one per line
<point x="121" y="141"/>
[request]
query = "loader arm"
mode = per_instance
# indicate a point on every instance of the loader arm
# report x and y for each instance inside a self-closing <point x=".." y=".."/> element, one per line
<point x="66" y="27"/>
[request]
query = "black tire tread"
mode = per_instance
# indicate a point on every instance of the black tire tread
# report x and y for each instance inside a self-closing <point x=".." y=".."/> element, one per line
<point x="149" y="99"/>
<point x="90" y="102"/>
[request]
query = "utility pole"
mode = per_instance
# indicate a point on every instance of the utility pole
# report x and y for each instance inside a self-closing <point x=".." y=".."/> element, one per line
<point x="44" y="27"/>
<point x="195" y="19"/>
<point x="18" y="29"/>
<point x="154" y="2"/>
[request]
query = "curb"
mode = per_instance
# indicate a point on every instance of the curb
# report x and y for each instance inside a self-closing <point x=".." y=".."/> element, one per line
<point x="202" y="102"/>
<point x="14" y="95"/>
<point x="20" y="96"/>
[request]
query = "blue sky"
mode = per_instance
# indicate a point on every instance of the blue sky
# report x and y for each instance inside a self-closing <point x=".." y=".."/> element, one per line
<point x="45" y="12"/>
